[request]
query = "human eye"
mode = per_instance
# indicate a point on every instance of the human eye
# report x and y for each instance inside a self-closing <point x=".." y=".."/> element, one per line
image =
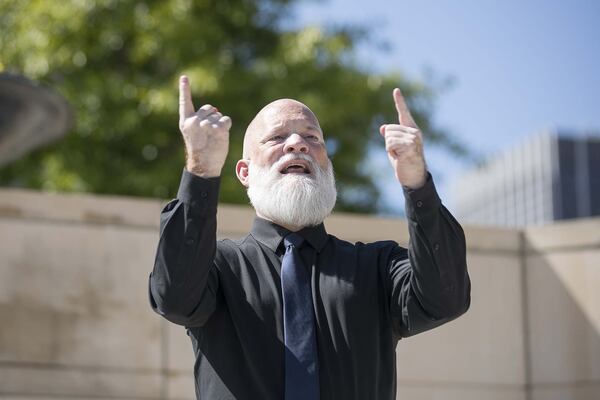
<point x="273" y="138"/>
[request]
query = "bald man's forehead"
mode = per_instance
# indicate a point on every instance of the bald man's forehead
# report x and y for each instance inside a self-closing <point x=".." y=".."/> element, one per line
<point x="283" y="120"/>
<point x="279" y="115"/>
<point x="284" y="109"/>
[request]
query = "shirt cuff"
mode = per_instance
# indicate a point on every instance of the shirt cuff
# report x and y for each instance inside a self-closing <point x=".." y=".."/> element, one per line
<point x="421" y="202"/>
<point x="197" y="191"/>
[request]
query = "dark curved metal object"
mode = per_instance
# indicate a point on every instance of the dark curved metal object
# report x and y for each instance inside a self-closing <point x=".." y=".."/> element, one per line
<point x="30" y="116"/>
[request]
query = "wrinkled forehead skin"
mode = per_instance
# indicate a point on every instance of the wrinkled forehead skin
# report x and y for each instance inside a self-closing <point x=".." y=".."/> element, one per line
<point x="272" y="115"/>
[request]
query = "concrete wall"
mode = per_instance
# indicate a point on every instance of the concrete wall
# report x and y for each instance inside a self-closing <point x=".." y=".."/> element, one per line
<point x="75" y="322"/>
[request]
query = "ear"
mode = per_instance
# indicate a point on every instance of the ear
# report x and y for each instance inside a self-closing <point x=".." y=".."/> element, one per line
<point x="241" y="170"/>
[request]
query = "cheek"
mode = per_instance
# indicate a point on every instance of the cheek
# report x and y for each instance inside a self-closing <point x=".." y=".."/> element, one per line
<point x="270" y="155"/>
<point x="320" y="155"/>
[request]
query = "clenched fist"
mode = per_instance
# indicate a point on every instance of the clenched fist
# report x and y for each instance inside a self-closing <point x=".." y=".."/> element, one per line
<point x="404" y="146"/>
<point x="205" y="133"/>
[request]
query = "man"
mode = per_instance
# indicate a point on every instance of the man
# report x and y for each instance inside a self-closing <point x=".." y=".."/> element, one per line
<point x="290" y="312"/>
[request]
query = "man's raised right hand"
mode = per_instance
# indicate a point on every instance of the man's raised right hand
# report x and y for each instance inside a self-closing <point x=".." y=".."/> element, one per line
<point x="205" y="133"/>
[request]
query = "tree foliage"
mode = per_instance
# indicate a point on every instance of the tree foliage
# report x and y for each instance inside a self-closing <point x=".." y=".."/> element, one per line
<point x="117" y="63"/>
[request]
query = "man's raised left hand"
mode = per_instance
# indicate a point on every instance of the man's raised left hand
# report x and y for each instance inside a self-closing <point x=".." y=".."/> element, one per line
<point x="404" y="146"/>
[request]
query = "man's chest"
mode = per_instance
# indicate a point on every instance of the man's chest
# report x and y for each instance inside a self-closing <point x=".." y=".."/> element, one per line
<point x="345" y="287"/>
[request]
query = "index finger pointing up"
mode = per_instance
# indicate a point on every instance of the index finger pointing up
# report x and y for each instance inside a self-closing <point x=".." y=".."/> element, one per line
<point x="404" y="116"/>
<point x="186" y="107"/>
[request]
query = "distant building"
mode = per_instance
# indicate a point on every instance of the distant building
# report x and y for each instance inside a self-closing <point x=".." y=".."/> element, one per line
<point x="550" y="177"/>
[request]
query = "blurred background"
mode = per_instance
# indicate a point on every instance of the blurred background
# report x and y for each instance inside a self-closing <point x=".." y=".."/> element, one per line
<point x="481" y="78"/>
<point x="507" y="95"/>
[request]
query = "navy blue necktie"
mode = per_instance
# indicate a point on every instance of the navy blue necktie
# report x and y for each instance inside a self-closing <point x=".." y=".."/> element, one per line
<point x="301" y="364"/>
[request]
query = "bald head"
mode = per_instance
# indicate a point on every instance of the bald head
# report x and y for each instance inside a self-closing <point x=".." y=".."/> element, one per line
<point x="276" y="115"/>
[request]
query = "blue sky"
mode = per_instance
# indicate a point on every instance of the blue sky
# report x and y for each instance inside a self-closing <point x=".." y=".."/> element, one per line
<point x="519" y="67"/>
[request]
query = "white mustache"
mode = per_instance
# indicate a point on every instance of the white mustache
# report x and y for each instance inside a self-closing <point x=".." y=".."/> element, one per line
<point x="291" y="157"/>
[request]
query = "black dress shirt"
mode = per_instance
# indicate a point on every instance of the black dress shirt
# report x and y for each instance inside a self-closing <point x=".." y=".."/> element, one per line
<point x="366" y="296"/>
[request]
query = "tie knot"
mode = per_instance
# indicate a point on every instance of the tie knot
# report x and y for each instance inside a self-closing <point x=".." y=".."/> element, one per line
<point x="293" y="239"/>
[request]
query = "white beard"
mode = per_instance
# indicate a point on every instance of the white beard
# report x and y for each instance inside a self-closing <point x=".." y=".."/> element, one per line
<point x="292" y="200"/>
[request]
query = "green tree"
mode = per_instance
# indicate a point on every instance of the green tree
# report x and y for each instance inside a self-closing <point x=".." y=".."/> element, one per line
<point x="117" y="63"/>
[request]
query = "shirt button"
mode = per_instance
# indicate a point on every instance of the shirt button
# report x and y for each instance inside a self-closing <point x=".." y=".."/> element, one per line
<point x="436" y="247"/>
<point x="203" y="195"/>
<point x="189" y="242"/>
<point x="419" y="204"/>
<point x="193" y="203"/>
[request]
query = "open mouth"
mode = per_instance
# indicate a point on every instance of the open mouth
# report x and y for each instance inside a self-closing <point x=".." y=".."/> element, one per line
<point x="295" y="167"/>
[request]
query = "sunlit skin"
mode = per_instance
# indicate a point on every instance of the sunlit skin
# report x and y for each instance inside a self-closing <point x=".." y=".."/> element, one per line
<point x="287" y="126"/>
<point x="282" y="127"/>
<point x="404" y="146"/>
<point x="205" y="134"/>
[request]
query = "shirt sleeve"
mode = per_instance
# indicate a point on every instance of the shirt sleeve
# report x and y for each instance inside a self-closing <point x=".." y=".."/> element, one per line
<point x="432" y="285"/>
<point x="184" y="283"/>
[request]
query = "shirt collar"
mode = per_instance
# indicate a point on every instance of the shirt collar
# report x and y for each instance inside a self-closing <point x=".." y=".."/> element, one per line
<point x="271" y="234"/>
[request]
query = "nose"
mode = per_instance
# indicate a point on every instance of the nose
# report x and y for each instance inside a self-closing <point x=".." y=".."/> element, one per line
<point x="295" y="144"/>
